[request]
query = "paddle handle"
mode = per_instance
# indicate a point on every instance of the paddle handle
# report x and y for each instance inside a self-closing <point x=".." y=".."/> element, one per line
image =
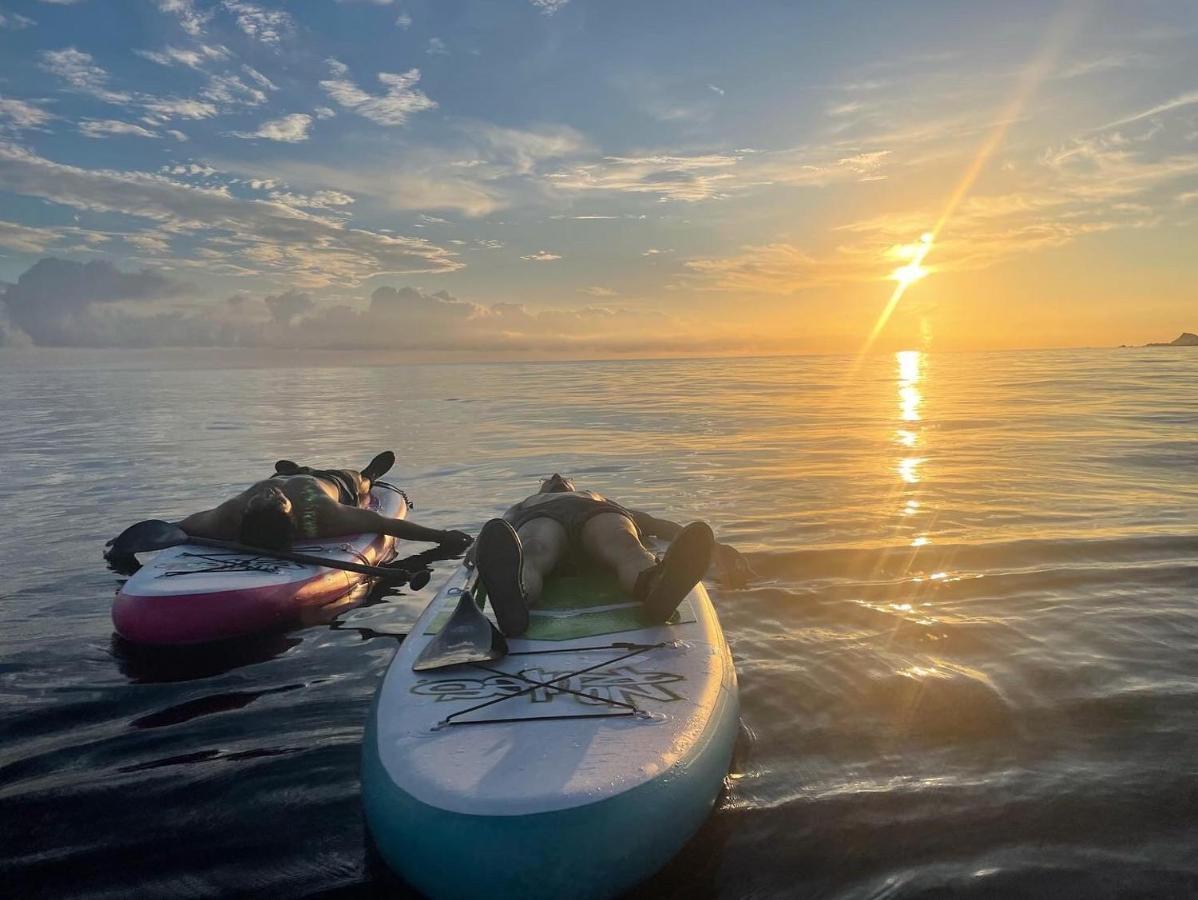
<point x="307" y="559"/>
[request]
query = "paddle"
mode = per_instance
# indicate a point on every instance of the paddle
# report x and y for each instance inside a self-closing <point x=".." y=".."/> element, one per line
<point x="154" y="534"/>
<point x="467" y="636"/>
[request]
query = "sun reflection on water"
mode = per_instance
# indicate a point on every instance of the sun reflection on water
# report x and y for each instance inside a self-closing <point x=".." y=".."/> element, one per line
<point x="909" y="434"/>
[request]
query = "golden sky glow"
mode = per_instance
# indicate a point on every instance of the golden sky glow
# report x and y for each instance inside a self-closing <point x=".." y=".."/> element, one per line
<point x="993" y="181"/>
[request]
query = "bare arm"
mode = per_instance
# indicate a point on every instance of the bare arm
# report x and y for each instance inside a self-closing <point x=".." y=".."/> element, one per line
<point x="339" y="519"/>
<point x="734" y="570"/>
<point x="220" y="523"/>
<point x="662" y="528"/>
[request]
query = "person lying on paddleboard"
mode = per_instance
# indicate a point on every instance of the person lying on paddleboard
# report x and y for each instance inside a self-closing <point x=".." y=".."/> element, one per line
<point x="516" y="553"/>
<point x="299" y="502"/>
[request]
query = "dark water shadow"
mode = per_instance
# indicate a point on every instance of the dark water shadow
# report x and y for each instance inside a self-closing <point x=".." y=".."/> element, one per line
<point x="206" y="706"/>
<point x="158" y="665"/>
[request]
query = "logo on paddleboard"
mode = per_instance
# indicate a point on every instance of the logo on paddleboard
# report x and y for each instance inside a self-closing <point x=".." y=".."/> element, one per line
<point x="626" y="684"/>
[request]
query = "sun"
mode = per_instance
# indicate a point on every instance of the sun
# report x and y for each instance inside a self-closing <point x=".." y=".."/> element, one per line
<point x="908" y="274"/>
<point x="914" y="270"/>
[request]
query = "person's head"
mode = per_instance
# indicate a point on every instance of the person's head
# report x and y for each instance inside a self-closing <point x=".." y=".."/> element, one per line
<point x="556" y="484"/>
<point x="266" y="520"/>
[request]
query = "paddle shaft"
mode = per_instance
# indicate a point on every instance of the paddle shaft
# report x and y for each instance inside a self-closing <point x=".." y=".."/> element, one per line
<point x="374" y="571"/>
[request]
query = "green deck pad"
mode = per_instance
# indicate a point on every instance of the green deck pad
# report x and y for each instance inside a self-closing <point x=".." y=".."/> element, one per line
<point x="578" y="606"/>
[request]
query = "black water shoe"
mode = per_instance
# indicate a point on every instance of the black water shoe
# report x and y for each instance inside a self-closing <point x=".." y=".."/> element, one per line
<point x="500" y="561"/>
<point x="379" y="466"/>
<point x="665" y="585"/>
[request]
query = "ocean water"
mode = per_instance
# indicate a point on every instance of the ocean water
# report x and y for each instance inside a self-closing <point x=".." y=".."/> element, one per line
<point x="968" y="664"/>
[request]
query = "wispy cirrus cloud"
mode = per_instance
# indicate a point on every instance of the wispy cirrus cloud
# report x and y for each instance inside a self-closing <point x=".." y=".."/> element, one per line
<point x="21" y="115"/>
<point x="240" y="235"/>
<point x="192" y="58"/>
<point x="102" y="128"/>
<point x="400" y="100"/>
<point x="79" y="70"/>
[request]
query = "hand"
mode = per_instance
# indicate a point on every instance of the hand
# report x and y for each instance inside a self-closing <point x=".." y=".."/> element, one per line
<point x="455" y="540"/>
<point x="734" y="570"/>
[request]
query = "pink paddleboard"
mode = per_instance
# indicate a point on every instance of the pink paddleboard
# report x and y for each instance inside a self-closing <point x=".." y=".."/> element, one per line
<point x="192" y="594"/>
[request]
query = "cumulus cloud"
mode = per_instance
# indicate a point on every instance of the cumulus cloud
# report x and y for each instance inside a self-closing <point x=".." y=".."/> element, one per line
<point x="541" y="256"/>
<point x="401" y="99"/>
<point x="289" y="305"/>
<point x="549" y="7"/>
<point x="235" y="232"/>
<point x="289" y="129"/>
<point x="61" y="303"/>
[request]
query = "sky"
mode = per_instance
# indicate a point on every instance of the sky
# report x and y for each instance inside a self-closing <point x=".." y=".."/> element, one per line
<point x="597" y="177"/>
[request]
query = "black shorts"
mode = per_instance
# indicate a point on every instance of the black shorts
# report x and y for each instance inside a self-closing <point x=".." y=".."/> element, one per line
<point x="572" y="513"/>
<point x="346" y="483"/>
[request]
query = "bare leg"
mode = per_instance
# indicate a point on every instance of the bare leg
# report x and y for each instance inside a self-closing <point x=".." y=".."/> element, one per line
<point x="611" y="540"/>
<point x="544" y="542"/>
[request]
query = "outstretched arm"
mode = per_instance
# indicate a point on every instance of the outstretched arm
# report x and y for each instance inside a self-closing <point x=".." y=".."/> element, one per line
<point x="733" y="569"/>
<point x="352" y="520"/>
<point x="219" y="523"/>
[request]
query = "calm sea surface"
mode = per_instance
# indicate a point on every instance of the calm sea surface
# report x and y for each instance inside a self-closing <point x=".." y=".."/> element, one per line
<point x="969" y="665"/>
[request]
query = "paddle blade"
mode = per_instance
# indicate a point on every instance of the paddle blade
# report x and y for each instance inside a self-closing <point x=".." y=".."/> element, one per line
<point x="153" y="534"/>
<point x="468" y="637"/>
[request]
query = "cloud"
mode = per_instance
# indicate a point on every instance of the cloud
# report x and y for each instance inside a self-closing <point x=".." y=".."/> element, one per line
<point x="401" y="100"/>
<point x="79" y="70"/>
<point x="229" y="90"/>
<point x="191" y="20"/>
<point x="176" y="108"/>
<point x="436" y="47"/>
<point x="1182" y="100"/>
<point x="182" y="56"/>
<point x="59" y="303"/>
<point x="289" y="129"/>
<point x="14" y="21"/>
<point x="20" y="115"/>
<point x="549" y="7"/>
<point x="240" y="235"/>
<point x="289" y="305"/>
<point x="269" y="26"/>
<point x="320" y="200"/>
<point x="324" y="112"/>
<point x="541" y="256"/>
<point x="596" y="291"/>
<point x="404" y="21"/>
<point x="103" y="128"/>
<point x="688" y="178"/>
<point x="26" y="238"/>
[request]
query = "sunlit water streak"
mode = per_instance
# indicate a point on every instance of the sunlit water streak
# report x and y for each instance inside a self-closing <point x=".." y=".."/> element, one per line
<point x="967" y="665"/>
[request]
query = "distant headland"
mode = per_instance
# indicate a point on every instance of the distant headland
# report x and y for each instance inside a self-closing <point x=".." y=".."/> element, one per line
<point x="1185" y="340"/>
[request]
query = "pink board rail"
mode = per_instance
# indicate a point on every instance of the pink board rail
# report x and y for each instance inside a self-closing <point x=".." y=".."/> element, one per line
<point x="195" y="595"/>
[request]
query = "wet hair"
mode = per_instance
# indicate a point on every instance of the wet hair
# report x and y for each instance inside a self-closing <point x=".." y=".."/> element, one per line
<point x="267" y="523"/>
<point x="556" y="484"/>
